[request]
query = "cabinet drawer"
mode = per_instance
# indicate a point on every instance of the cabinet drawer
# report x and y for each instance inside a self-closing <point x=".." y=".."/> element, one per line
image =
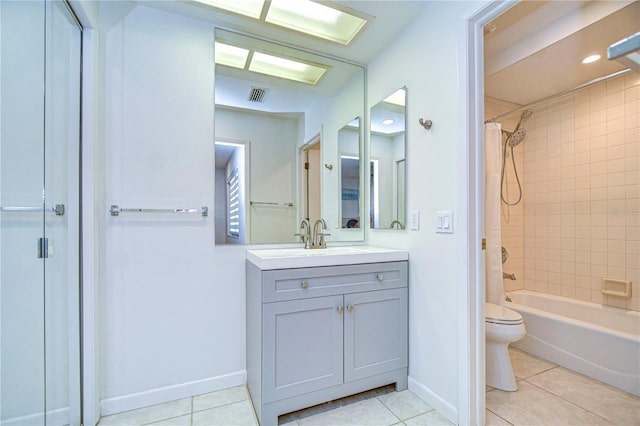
<point x="290" y="284"/>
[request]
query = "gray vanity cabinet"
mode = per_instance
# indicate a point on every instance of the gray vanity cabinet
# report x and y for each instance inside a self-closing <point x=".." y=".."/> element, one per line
<point x="321" y="333"/>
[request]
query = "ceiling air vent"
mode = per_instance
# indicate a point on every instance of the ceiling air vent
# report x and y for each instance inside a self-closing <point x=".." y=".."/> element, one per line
<point x="258" y="94"/>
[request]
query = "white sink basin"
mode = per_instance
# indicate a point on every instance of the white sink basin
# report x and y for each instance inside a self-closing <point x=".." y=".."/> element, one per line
<point x="305" y="258"/>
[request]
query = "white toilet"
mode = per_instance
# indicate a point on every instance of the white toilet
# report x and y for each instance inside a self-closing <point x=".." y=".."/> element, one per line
<point x="502" y="326"/>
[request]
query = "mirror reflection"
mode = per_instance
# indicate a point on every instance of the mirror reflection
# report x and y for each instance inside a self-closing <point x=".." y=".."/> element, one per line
<point x="387" y="165"/>
<point x="350" y="182"/>
<point x="280" y="114"/>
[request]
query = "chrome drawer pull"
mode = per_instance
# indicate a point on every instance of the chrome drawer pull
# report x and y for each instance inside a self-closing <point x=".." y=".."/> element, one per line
<point x="380" y="277"/>
<point x="350" y="308"/>
<point x="304" y="284"/>
<point x="340" y="309"/>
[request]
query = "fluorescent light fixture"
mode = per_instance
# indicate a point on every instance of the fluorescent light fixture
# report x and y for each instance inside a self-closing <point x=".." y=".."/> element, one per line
<point x="231" y="56"/>
<point x="590" y="59"/>
<point x="388" y="121"/>
<point x="315" y="19"/>
<point x="285" y="68"/>
<point x="250" y="8"/>
<point x="397" y="98"/>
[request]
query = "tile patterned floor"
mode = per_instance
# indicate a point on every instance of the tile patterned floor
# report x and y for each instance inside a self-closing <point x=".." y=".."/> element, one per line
<point x="551" y="395"/>
<point x="547" y="395"/>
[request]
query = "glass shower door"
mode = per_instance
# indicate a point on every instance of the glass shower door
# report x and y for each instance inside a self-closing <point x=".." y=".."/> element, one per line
<point x="39" y="216"/>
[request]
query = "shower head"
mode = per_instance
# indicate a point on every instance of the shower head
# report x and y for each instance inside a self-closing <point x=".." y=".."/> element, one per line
<point x="516" y="137"/>
<point x="525" y="114"/>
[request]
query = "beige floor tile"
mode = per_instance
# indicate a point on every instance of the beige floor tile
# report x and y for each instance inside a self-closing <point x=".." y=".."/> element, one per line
<point x="151" y="414"/>
<point x="239" y="413"/>
<point x="404" y="404"/>
<point x="495" y="420"/>
<point x="220" y="398"/>
<point x="525" y="365"/>
<point x="432" y="418"/>
<point x="368" y="412"/>
<point x="176" y="421"/>
<point x="614" y="405"/>
<point x="531" y="405"/>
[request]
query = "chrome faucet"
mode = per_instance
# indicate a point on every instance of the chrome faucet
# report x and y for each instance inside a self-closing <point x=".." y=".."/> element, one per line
<point x="396" y="222"/>
<point x="317" y="241"/>
<point x="306" y="235"/>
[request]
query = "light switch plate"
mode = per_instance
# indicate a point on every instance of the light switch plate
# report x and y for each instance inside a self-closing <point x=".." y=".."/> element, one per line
<point x="414" y="223"/>
<point x="444" y="222"/>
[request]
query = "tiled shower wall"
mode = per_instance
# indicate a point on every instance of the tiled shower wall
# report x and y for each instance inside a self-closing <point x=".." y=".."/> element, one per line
<point x="582" y="192"/>
<point x="580" y="218"/>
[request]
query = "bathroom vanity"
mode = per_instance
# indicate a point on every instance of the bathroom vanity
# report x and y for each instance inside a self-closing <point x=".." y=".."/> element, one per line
<point x="323" y="324"/>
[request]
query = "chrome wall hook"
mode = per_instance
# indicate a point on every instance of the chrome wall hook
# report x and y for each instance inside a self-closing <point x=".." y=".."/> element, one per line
<point x="426" y="123"/>
<point x="329" y="166"/>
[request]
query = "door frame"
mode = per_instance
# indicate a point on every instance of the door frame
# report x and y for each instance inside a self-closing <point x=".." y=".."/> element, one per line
<point x="471" y="365"/>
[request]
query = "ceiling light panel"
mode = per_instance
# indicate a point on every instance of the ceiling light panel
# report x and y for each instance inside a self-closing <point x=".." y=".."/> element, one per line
<point x="315" y="19"/>
<point x="250" y="8"/>
<point x="231" y="56"/>
<point x="397" y="98"/>
<point x="286" y="68"/>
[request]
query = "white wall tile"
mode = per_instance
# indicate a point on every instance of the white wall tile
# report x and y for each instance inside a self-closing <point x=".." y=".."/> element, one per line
<point x="581" y="178"/>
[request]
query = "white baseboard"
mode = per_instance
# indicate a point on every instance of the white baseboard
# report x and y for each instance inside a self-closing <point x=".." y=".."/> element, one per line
<point x="137" y="400"/>
<point x="443" y="407"/>
<point x="58" y="417"/>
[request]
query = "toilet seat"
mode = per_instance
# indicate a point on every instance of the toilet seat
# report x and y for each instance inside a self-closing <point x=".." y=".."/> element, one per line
<point x="496" y="314"/>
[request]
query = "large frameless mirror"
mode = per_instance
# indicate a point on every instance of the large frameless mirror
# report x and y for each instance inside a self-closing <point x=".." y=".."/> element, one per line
<point x="280" y="114"/>
<point x="388" y="162"/>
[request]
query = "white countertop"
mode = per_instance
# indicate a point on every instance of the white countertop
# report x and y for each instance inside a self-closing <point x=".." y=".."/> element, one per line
<point x="331" y="256"/>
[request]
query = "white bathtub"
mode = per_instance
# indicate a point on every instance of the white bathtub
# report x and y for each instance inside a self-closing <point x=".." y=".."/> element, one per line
<point x="598" y="341"/>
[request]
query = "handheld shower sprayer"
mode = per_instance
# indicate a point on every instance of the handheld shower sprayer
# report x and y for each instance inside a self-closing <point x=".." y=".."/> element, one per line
<point x="513" y="139"/>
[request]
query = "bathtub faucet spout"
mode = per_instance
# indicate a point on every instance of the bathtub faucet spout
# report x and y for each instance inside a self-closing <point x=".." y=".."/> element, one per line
<point x="508" y="276"/>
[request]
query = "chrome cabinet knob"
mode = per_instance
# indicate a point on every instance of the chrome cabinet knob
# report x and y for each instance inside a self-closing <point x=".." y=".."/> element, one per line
<point x="350" y="308"/>
<point x="304" y="284"/>
<point x="380" y="277"/>
<point x="340" y="309"/>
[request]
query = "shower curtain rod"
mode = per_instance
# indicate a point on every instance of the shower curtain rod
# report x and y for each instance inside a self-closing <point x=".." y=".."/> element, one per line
<point x="566" y="92"/>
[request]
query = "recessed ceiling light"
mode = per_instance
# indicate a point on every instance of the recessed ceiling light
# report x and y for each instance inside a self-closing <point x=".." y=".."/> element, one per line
<point x="590" y="59"/>
<point x="286" y="68"/>
<point x="250" y="8"/>
<point x="305" y="16"/>
<point x="231" y="56"/>
<point x="397" y="98"/>
<point x="315" y="19"/>
<point x="388" y="121"/>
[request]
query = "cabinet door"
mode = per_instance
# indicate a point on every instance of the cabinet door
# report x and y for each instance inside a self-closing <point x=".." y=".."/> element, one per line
<point x="375" y="328"/>
<point x="303" y="346"/>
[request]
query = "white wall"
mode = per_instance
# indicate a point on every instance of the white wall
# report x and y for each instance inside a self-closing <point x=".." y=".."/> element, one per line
<point x="430" y="59"/>
<point x="171" y="303"/>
